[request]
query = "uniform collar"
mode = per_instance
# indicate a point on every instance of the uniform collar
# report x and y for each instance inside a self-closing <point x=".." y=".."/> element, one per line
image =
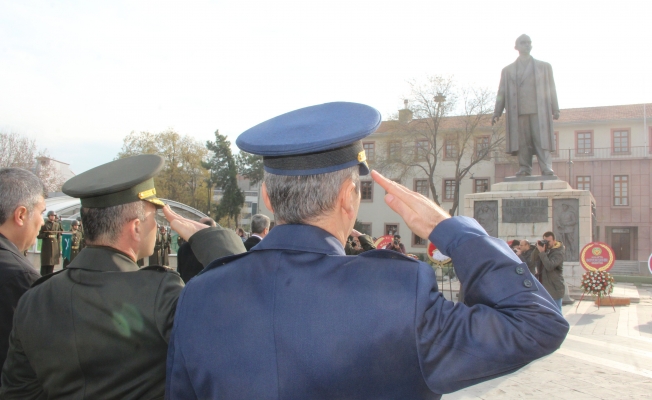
<point x="306" y="238"/>
<point x="103" y="259"/>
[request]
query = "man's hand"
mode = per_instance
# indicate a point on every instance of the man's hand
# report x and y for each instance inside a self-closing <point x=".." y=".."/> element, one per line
<point x="555" y="115"/>
<point x="419" y="213"/>
<point x="541" y="248"/>
<point x="494" y="120"/>
<point x="183" y="226"/>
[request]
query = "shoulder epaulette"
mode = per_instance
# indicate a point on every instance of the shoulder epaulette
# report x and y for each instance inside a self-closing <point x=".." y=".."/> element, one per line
<point x="223" y="261"/>
<point x="158" y="268"/>
<point x="383" y="253"/>
<point x="46" y="277"/>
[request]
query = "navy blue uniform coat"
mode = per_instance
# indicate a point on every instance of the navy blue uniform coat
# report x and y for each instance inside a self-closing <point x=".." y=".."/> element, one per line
<point x="297" y="319"/>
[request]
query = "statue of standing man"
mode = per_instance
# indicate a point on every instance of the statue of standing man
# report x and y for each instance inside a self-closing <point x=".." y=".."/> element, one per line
<point x="527" y="93"/>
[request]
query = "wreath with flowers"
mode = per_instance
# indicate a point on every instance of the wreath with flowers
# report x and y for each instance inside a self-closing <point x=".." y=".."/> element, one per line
<point x="598" y="283"/>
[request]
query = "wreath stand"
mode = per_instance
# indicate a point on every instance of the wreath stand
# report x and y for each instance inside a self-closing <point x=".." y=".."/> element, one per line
<point x="599" y="283"/>
<point x="599" y="302"/>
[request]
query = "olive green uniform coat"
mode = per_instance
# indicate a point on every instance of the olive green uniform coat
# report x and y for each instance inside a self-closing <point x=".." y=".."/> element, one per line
<point x="97" y="330"/>
<point x="75" y="244"/>
<point x="50" y="248"/>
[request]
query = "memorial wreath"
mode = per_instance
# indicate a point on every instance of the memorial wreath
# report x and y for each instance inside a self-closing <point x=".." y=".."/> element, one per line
<point x="598" y="283"/>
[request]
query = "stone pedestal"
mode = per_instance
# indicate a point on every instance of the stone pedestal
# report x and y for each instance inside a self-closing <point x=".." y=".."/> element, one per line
<point x="526" y="208"/>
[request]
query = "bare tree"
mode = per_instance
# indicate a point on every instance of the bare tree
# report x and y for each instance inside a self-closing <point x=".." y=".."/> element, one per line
<point x="417" y="143"/>
<point x="436" y="129"/>
<point x="21" y="152"/>
<point x="470" y="144"/>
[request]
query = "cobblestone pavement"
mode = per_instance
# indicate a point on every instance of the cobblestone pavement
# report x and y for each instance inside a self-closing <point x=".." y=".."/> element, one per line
<point x="606" y="355"/>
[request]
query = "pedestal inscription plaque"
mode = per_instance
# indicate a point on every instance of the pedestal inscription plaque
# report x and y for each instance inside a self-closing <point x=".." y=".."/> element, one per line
<point x="486" y="213"/>
<point x="525" y="210"/>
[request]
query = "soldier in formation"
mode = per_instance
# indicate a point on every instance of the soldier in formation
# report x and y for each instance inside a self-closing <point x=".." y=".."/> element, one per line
<point x="76" y="240"/>
<point x="50" y="235"/>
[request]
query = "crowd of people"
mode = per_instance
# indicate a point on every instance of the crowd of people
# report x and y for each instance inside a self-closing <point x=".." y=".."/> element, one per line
<point x="292" y="316"/>
<point x="545" y="260"/>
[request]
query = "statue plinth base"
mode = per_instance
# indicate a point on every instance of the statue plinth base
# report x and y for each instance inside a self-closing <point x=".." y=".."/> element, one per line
<point x="528" y="206"/>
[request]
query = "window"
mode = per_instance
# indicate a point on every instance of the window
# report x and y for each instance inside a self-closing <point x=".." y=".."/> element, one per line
<point x="449" y="189"/>
<point x="480" y="185"/>
<point x="450" y="148"/>
<point x="394" y="150"/>
<point x="367" y="190"/>
<point x="482" y="147"/>
<point x="584" y="182"/>
<point x="585" y="142"/>
<point x="370" y="151"/>
<point x="391" y="229"/>
<point x="422" y="149"/>
<point x="418" y="241"/>
<point x="421" y="186"/>
<point x="365" y="228"/>
<point x="621" y="189"/>
<point x="620" y="140"/>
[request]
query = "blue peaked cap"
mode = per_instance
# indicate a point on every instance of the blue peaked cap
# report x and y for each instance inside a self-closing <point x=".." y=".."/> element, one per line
<point x="313" y="140"/>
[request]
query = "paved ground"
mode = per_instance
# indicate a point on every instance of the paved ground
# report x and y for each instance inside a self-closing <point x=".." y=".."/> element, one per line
<point x="607" y="355"/>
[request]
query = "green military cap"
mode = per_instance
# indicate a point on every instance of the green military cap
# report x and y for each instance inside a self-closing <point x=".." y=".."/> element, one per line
<point x="119" y="182"/>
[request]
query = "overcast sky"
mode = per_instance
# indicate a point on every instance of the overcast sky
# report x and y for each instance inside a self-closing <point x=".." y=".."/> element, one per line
<point x="80" y="75"/>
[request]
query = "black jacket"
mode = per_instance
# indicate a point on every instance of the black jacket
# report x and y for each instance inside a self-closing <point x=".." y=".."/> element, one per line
<point x="187" y="264"/>
<point x="16" y="276"/>
<point x="251" y="242"/>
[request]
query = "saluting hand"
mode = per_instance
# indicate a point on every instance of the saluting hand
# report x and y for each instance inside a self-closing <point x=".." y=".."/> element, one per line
<point x="419" y="212"/>
<point x="183" y="226"/>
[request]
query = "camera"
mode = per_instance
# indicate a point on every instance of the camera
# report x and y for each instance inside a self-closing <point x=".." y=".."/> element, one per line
<point x="542" y="242"/>
<point x="395" y="242"/>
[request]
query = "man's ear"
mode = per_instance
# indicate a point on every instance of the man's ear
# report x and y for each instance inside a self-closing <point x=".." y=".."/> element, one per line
<point x="135" y="229"/>
<point x="268" y="203"/>
<point x="21" y="215"/>
<point x="348" y="198"/>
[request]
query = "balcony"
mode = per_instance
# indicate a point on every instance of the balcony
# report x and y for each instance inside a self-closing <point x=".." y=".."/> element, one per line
<point x="606" y="153"/>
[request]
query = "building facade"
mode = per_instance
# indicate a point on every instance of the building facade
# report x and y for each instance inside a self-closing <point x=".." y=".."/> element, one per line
<point x="606" y="150"/>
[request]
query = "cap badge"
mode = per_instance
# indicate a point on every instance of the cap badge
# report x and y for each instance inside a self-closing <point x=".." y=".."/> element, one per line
<point x="147" y="193"/>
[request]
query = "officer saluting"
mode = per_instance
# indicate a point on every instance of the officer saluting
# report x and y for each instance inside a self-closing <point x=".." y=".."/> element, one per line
<point x="100" y="328"/>
<point x="297" y="319"/>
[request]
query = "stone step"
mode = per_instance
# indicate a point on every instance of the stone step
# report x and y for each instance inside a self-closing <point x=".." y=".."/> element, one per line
<point x="625" y="268"/>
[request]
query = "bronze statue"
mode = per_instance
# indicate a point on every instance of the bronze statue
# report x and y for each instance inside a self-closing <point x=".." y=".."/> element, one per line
<point x="527" y="93"/>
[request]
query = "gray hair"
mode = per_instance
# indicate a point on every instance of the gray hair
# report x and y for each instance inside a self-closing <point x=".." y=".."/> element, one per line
<point x="105" y="224"/>
<point x="18" y="187"/>
<point x="302" y="199"/>
<point x="259" y="223"/>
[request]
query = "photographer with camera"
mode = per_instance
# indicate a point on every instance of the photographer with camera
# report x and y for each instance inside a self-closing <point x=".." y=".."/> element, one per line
<point x="548" y="257"/>
<point x="396" y="245"/>
<point x="358" y="243"/>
